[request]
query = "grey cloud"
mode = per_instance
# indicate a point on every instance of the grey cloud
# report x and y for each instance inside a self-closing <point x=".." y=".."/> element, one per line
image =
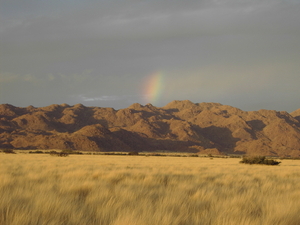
<point x="227" y="44"/>
<point x="138" y="18"/>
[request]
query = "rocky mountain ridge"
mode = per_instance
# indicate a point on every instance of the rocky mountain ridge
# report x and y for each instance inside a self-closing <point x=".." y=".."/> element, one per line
<point x="179" y="126"/>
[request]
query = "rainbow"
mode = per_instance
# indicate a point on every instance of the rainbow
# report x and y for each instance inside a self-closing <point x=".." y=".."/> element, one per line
<point x="153" y="87"/>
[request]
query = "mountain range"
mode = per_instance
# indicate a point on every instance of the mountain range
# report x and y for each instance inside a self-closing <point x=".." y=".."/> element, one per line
<point x="180" y="126"/>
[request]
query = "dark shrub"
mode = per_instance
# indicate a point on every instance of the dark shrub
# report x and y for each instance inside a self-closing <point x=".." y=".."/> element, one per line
<point x="156" y="154"/>
<point x="113" y="153"/>
<point x="70" y="151"/>
<point x="61" y="154"/>
<point x="258" y="160"/>
<point x="53" y="153"/>
<point x="36" y="152"/>
<point x="8" y="151"/>
<point x="234" y="156"/>
<point x="133" y="153"/>
<point x="108" y="153"/>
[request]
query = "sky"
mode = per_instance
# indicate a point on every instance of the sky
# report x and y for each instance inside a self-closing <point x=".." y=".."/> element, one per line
<point x="113" y="53"/>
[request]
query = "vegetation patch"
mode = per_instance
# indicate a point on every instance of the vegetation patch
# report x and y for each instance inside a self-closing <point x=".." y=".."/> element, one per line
<point x="36" y="152"/>
<point x="112" y="153"/>
<point x="259" y="160"/>
<point x="61" y="154"/>
<point x="8" y="151"/>
<point x="120" y="190"/>
<point x="70" y="151"/>
<point x="133" y="153"/>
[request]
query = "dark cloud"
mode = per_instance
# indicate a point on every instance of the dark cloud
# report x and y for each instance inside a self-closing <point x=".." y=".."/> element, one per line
<point x="235" y="52"/>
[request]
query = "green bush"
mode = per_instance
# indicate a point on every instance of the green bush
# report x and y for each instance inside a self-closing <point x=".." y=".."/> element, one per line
<point x="259" y="160"/>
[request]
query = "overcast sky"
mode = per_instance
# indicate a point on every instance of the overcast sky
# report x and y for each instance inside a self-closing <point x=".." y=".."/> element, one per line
<point x="243" y="53"/>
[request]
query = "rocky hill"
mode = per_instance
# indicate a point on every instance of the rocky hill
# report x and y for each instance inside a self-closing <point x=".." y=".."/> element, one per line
<point x="179" y="126"/>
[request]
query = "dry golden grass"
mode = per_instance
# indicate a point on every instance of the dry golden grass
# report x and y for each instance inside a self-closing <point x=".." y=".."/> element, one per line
<point x="38" y="189"/>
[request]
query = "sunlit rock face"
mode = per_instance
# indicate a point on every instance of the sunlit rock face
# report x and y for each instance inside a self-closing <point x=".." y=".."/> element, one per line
<point x="208" y="128"/>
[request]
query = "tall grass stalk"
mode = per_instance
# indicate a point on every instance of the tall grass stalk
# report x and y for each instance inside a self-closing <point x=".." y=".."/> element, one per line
<point x="118" y="190"/>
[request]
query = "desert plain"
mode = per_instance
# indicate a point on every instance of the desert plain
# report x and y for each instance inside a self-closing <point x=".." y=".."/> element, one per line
<point x="39" y="189"/>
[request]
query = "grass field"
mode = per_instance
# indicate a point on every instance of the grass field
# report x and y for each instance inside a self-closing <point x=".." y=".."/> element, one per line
<point x="39" y="189"/>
